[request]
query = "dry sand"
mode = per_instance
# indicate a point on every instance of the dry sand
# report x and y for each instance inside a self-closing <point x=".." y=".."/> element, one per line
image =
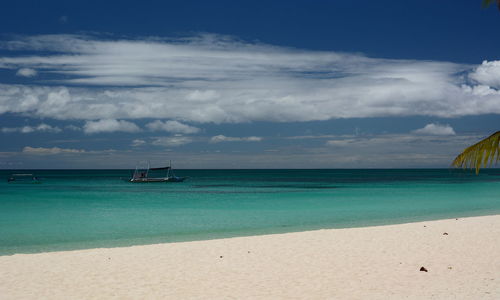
<point x="358" y="263"/>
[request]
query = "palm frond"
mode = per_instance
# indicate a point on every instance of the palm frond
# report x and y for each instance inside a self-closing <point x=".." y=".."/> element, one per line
<point x="487" y="3"/>
<point x="482" y="154"/>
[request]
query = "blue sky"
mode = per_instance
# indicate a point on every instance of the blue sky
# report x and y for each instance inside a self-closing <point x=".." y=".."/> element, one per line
<point x="246" y="84"/>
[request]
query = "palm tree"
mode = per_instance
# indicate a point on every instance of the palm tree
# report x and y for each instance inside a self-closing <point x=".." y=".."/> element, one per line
<point x="485" y="152"/>
<point x="482" y="154"/>
<point x="487" y="3"/>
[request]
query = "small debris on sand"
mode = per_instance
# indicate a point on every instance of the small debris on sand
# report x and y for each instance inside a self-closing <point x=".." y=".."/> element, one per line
<point x="423" y="269"/>
<point x="221" y="256"/>
<point x="446" y="233"/>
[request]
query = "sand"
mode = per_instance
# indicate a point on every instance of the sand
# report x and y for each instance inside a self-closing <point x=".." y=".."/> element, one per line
<point x="358" y="263"/>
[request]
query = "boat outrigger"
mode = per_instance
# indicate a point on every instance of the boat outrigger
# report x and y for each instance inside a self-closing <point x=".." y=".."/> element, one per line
<point x="144" y="175"/>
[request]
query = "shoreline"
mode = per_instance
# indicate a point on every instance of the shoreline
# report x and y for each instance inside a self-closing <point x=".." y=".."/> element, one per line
<point x="125" y="243"/>
<point x="349" y="263"/>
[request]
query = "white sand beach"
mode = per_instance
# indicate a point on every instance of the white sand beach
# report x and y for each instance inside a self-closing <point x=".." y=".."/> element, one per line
<point x="358" y="263"/>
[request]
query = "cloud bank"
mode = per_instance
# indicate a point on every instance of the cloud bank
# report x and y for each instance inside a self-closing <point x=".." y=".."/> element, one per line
<point x="216" y="79"/>
<point x="29" y="129"/>
<point x="50" y="151"/>
<point x="341" y="151"/>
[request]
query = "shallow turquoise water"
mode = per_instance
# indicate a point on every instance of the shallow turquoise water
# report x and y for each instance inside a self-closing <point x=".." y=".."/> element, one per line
<point x="75" y="209"/>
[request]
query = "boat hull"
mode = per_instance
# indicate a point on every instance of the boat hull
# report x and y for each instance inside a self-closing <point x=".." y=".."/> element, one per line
<point x="164" y="179"/>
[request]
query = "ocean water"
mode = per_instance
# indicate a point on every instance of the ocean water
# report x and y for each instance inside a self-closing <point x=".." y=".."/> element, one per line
<point x="78" y="209"/>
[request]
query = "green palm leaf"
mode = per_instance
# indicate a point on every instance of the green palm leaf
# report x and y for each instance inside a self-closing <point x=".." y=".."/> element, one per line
<point x="487" y="3"/>
<point x="482" y="154"/>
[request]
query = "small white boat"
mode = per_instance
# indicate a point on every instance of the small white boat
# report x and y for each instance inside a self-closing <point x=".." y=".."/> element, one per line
<point x="23" y="178"/>
<point x="144" y="175"/>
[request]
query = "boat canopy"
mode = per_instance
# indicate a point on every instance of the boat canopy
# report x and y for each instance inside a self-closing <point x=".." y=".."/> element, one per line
<point x="159" y="169"/>
<point x="144" y="174"/>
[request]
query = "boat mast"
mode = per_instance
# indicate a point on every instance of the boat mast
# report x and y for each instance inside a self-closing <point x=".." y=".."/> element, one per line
<point x="136" y="172"/>
<point x="169" y="168"/>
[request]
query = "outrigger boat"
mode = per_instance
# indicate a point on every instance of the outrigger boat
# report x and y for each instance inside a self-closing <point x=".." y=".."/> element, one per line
<point x="23" y="178"/>
<point x="144" y="175"/>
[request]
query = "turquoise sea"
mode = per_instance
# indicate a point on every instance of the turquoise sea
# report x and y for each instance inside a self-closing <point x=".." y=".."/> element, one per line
<point x="76" y="209"/>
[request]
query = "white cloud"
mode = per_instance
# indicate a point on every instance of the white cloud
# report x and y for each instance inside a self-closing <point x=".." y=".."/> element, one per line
<point x="109" y="125"/>
<point x="223" y="138"/>
<point x="172" y="126"/>
<point x="172" y="141"/>
<point x="138" y="142"/>
<point x="29" y="129"/>
<point x="488" y="73"/>
<point x="215" y="79"/>
<point x="73" y="127"/>
<point x="26" y="72"/>
<point x="48" y="128"/>
<point x="50" y="151"/>
<point x="341" y="143"/>
<point x="435" y="129"/>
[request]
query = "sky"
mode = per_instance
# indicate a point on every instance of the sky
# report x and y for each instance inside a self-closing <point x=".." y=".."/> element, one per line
<point x="246" y="84"/>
